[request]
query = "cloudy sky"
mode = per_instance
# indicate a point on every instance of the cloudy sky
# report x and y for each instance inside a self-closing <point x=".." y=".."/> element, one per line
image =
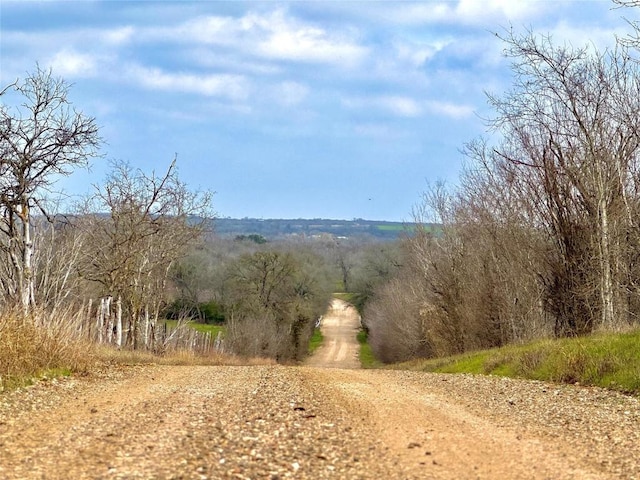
<point x="326" y="109"/>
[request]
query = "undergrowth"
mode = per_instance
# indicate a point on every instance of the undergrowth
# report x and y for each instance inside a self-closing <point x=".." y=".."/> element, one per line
<point x="315" y="341"/>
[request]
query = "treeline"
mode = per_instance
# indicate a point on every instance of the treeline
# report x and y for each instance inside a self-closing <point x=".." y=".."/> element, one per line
<point x="542" y="236"/>
<point x="136" y="250"/>
<point x="281" y="228"/>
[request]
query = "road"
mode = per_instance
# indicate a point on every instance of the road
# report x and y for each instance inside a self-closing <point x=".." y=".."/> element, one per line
<point x="340" y="347"/>
<point x="309" y="422"/>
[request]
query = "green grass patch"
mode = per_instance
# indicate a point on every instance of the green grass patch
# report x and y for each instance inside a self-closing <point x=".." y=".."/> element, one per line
<point x="367" y="358"/>
<point x="200" y="327"/>
<point x="315" y="341"/>
<point x="605" y="360"/>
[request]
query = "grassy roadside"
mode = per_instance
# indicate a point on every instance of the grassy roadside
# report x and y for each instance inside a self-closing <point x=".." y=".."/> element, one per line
<point x="611" y="361"/>
<point x="367" y="358"/>
<point x="29" y="352"/>
<point x="315" y="341"/>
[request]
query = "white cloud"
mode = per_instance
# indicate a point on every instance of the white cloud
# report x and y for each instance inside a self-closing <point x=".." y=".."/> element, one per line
<point x="234" y="87"/>
<point x="117" y="35"/>
<point x="291" y="93"/>
<point x="397" y="105"/>
<point x="417" y="54"/>
<point x="274" y="35"/>
<point x="69" y="63"/>
<point x="401" y="106"/>
<point x="289" y="39"/>
<point x="452" y="110"/>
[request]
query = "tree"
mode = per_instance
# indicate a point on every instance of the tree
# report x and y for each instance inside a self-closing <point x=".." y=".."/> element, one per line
<point x="149" y="223"/>
<point x="272" y="300"/>
<point x="541" y="236"/>
<point x="41" y="139"/>
<point x="570" y="151"/>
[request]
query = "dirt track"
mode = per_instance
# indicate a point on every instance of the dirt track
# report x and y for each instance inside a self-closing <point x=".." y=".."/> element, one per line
<point x="307" y="422"/>
<point x="340" y="347"/>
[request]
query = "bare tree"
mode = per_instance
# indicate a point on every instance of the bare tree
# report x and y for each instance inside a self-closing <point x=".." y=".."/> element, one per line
<point x="541" y="236"/>
<point x="571" y="146"/>
<point x="41" y="139"/>
<point x="149" y="223"/>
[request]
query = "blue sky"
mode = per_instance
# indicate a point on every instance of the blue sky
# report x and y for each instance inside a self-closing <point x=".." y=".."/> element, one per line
<point x="288" y="109"/>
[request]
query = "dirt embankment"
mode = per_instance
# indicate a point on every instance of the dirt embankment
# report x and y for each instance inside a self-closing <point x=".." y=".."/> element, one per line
<point x="273" y="422"/>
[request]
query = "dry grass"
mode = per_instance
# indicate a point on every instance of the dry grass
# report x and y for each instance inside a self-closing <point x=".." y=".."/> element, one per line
<point x="41" y="347"/>
<point x="29" y="350"/>
<point x="175" y="357"/>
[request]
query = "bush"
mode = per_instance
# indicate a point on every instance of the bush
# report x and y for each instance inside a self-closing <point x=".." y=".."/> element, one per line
<point x="206" y="312"/>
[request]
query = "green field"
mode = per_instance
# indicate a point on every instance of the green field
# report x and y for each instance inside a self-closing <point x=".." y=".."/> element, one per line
<point x="392" y="228"/>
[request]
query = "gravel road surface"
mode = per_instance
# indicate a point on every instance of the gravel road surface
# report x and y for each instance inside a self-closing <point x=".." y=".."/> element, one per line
<point x="306" y="422"/>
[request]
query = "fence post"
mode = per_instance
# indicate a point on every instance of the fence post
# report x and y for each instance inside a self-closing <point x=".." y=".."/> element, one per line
<point x="119" y="322"/>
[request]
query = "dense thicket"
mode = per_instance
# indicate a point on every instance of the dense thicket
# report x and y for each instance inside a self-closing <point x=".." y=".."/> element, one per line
<point x="541" y="237"/>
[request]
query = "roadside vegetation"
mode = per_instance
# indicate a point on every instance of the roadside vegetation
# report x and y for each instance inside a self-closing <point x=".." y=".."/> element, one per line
<point x="315" y="341"/>
<point x="29" y="352"/>
<point x="540" y="238"/>
<point x="610" y="361"/>
<point x="366" y="356"/>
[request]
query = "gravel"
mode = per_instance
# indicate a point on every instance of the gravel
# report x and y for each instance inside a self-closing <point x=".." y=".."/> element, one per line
<point x="273" y="422"/>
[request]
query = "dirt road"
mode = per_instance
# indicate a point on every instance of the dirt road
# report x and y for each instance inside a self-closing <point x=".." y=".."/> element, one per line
<point x="273" y="422"/>
<point x="340" y="347"/>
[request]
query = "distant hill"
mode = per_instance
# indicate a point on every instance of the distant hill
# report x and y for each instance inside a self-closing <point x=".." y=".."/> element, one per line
<point x="277" y="228"/>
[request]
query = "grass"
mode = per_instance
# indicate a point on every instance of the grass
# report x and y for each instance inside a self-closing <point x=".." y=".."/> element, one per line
<point x="200" y="327"/>
<point x="391" y="228"/>
<point x="33" y="349"/>
<point x="30" y="352"/>
<point x="605" y="360"/>
<point x="346" y="297"/>
<point x="367" y="358"/>
<point x="315" y="341"/>
<point x="111" y="356"/>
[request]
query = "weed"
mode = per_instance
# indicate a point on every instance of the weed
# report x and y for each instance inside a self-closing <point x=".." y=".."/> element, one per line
<point x="366" y="356"/>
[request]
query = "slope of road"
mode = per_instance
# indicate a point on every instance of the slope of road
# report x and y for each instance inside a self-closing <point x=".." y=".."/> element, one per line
<point x="276" y="422"/>
<point x="163" y="422"/>
<point x="339" y="347"/>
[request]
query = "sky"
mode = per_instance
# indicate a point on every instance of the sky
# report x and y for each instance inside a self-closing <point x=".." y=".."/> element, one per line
<point x="327" y="109"/>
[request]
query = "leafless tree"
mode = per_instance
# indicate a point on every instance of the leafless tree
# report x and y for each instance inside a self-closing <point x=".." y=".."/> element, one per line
<point x="148" y="223"/>
<point x="541" y="236"/>
<point x="571" y="147"/>
<point x="40" y="139"/>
